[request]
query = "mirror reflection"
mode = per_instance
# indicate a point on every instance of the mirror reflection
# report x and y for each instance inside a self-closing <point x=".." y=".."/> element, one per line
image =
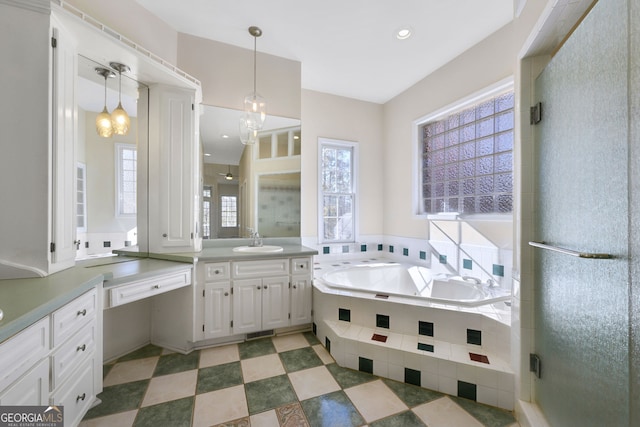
<point x="249" y="187"/>
<point x="106" y="172"/>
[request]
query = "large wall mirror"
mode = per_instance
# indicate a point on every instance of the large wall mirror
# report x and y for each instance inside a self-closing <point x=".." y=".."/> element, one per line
<point x="106" y="174"/>
<point x="249" y="187"/>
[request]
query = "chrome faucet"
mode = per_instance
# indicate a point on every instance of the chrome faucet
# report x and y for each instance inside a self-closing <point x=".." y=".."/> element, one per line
<point x="471" y="279"/>
<point x="256" y="240"/>
<point x="491" y="283"/>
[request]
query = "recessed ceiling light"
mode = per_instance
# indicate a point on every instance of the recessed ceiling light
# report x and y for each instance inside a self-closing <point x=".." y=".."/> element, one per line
<point x="224" y="136"/>
<point x="403" y="33"/>
<point x="296" y="137"/>
<point x="207" y="155"/>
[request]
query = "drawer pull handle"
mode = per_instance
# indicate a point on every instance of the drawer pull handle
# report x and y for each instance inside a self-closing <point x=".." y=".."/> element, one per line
<point x="81" y="397"/>
<point x="82" y="347"/>
<point x="226" y="294"/>
<point x="156" y="286"/>
<point x="82" y="312"/>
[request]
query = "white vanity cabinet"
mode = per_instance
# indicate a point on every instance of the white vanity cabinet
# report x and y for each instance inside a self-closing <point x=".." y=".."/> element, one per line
<point x="217" y="300"/>
<point x="241" y="297"/>
<point x="174" y="176"/>
<point x="39" y="126"/>
<point x="57" y="360"/>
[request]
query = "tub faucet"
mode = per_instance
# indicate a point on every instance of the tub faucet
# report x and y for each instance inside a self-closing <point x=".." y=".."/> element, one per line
<point x="471" y="279"/>
<point x="492" y="283"/>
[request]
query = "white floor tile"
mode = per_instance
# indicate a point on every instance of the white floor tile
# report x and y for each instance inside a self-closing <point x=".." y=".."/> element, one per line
<point x="219" y="355"/>
<point x="313" y="382"/>
<point x="289" y="342"/>
<point x="133" y="370"/>
<point x="261" y="367"/>
<point x="170" y="387"/>
<point x="374" y="400"/>
<point x="323" y="354"/>
<point x="123" y="419"/>
<point x="220" y="406"/>
<point x="265" y="419"/>
<point x="445" y="413"/>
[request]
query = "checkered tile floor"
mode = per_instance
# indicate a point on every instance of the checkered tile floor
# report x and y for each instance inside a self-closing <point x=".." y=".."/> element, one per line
<point x="286" y="380"/>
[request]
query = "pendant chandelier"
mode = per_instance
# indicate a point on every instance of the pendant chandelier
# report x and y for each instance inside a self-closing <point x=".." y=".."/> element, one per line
<point x="119" y="117"/>
<point x="104" y="125"/>
<point x="255" y="106"/>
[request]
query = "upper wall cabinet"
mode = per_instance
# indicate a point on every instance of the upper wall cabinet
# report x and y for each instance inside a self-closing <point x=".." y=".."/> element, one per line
<point x="174" y="175"/>
<point x="37" y="166"/>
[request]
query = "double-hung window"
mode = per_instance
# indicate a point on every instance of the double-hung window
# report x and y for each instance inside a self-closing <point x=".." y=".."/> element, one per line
<point x="337" y="190"/>
<point x="229" y="211"/>
<point x="466" y="156"/>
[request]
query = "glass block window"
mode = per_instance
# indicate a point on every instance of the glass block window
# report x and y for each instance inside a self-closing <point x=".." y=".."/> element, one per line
<point x="126" y="161"/>
<point x="467" y="159"/>
<point x="337" y="191"/>
<point x="229" y="211"/>
<point x="81" y="197"/>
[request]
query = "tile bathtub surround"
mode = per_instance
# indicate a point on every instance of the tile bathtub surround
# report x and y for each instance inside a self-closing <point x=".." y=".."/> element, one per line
<point x="280" y="381"/>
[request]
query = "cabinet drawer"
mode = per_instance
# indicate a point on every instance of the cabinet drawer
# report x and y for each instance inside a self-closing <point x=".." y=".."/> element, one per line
<point x="216" y="271"/>
<point x="76" y="395"/>
<point x="134" y="291"/>
<point x="301" y="265"/>
<point x="262" y="268"/>
<point x="22" y="351"/>
<point x="72" y="353"/>
<point x="70" y="318"/>
<point x="31" y="389"/>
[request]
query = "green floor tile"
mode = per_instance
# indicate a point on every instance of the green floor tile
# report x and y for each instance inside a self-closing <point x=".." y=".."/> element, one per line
<point x="149" y="350"/>
<point x="302" y="358"/>
<point x="174" y="363"/>
<point x="261" y="347"/>
<point x="346" y="377"/>
<point x="487" y="415"/>
<point x="404" y="419"/>
<point x="176" y="413"/>
<point x="219" y="377"/>
<point x="311" y="339"/>
<point x="332" y="410"/>
<point x="269" y="393"/>
<point x="119" y="398"/>
<point x="411" y="395"/>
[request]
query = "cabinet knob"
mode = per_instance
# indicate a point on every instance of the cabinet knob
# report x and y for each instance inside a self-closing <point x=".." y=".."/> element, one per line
<point x="295" y="287"/>
<point x="226" y="294"/>
<point x="82" y="347"/>
<point x="301" y="265"/>
<point x="264" y="287"/>
<point x="164" y="234"/>
<point x="258" y="287"/>
<point x="81" y="397"/>
<point x="217" y="272"/>
<point x="156" y="286"/>
<point x="82" y="313"/>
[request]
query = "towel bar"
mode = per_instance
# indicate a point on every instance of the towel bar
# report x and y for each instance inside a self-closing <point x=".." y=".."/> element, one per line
<point x="543" y="245"/>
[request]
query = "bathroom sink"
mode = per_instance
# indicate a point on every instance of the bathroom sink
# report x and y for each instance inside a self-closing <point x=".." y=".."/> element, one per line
<point x="266" y="249"/>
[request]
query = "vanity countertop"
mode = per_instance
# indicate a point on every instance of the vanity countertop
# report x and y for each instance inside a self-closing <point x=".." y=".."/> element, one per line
<point x="25" y="301"/>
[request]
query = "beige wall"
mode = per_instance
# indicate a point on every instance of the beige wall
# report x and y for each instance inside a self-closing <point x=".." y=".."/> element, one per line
<point x="136" y="23"/>
<point x="335" y="117"/>
<point x="226" y="74"/>
<point x="488" y="62"/>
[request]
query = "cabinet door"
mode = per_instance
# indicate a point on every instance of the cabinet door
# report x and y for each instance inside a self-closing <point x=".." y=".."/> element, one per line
<point x="172" y="184"/>
<point x="63" y="166"/>
<point x="301" y="302"/>
<point x="217" y="309"/>
<point x="247" y="306"/>
<point x="275" y="302"/>
<point x="31" y="389"/>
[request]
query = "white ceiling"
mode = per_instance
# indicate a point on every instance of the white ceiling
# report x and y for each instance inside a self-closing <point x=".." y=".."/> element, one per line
<point x="346" y="47"/>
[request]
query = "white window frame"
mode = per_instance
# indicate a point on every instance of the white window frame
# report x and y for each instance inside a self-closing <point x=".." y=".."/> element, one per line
<point x="222" y="211"/>
<point x="119" y="148"/>
<point x="477" y="97"/>
<point x="323" y="142"/>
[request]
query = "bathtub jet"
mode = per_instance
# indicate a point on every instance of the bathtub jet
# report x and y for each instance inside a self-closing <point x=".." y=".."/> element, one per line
<point x="395" y="279"/>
